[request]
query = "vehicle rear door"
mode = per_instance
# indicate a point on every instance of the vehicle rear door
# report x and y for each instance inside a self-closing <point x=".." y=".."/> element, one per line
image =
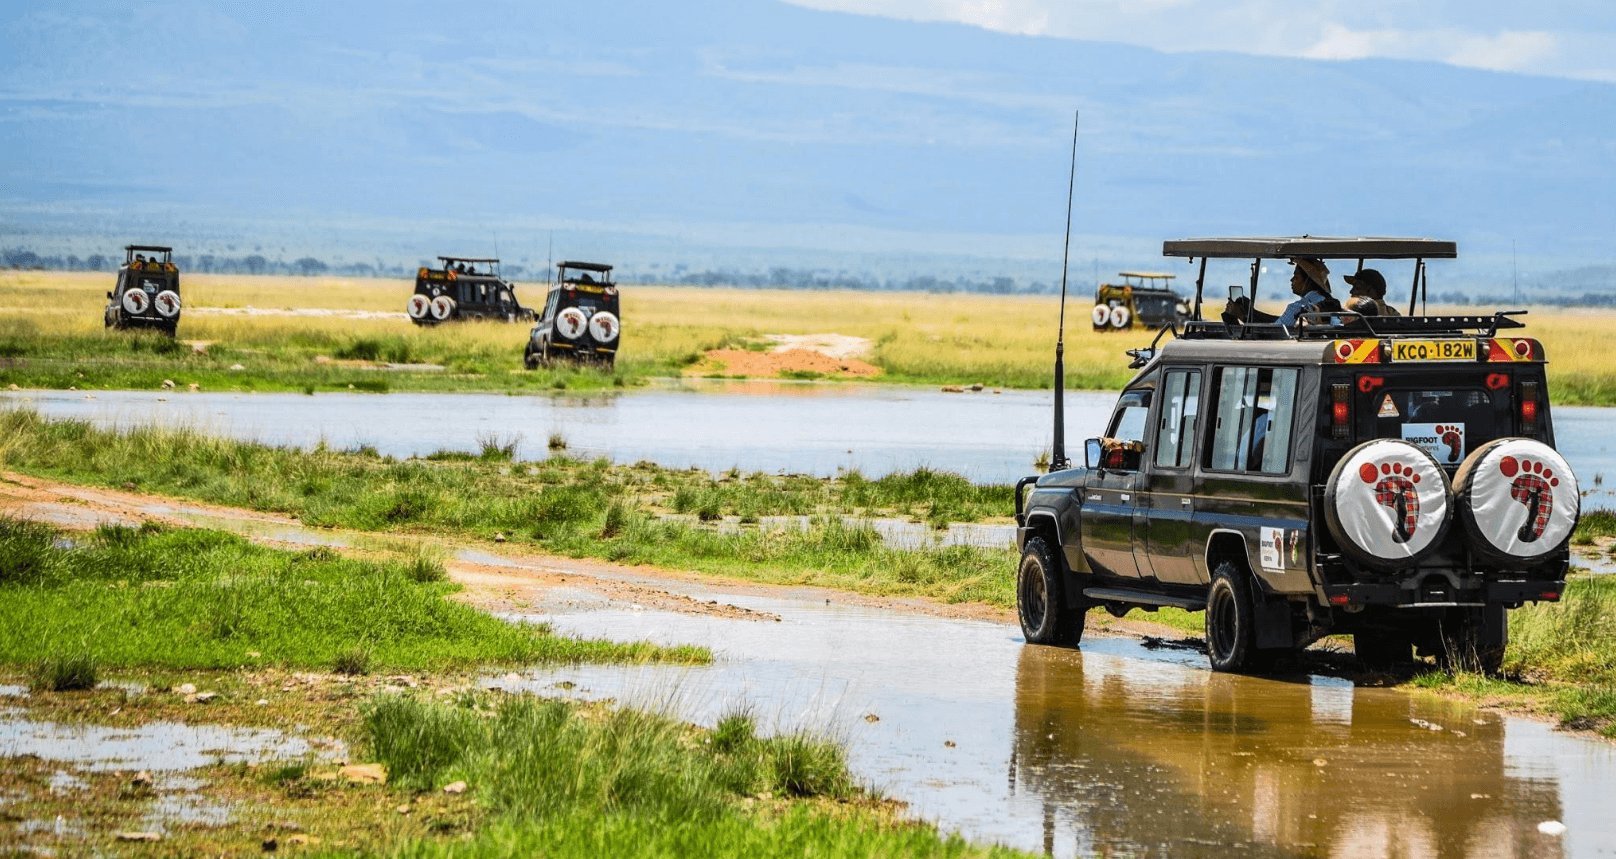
<point x="1110" y="500"/>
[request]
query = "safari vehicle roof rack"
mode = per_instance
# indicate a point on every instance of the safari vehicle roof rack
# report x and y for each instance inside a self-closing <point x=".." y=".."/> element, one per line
<point x="1311" y="246"/>
<point x="1319" y="327"/>
<point x="469" y="259"/>
<point x="585" y="266"/>
<point x="159" y="248"/>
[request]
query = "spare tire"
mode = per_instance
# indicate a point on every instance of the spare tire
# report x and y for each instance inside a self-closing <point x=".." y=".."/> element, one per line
<point x="417" y="306"/>
<point x="570" y="323"/>
<point x="1517" y="500"/>
<point x="1101" y="315"/>
<point x="442" y="307"/>
<point x="603" y="327"/>
<point x="1387" y="504"/>
<point x="135" y="302"/>
<point x="1120" y="317"/>
<point x="167" y="303"/>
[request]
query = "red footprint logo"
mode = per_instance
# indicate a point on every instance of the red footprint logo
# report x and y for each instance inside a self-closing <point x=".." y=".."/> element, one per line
<point x="1450" y="437"/>
<point x="1394" y="488"/>
<point x="1533" y="486"/>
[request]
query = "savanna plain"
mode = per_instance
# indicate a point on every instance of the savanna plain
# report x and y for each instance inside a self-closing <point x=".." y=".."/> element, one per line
<point x="376" y="649"/>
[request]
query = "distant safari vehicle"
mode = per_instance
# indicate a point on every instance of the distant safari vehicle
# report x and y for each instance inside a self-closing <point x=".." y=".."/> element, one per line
<point x="581" y="320"/>
<point x="148" y="291"/>
<point x="459" y="290"/>
<point x="1141" y="301"/>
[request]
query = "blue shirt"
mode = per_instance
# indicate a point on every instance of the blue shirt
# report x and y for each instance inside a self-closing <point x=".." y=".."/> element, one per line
<point x="1306" y="303"/>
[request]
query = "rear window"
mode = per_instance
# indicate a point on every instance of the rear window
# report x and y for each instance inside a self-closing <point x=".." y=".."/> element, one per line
<point x="1447" y="423"/>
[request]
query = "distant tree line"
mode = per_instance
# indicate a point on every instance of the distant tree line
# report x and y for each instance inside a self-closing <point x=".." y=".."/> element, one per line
<point x="203" y="263"/>
<point x="792" y="278"/>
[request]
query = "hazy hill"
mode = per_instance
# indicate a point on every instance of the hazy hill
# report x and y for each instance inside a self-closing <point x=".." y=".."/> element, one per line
<point x="747" y="133"/>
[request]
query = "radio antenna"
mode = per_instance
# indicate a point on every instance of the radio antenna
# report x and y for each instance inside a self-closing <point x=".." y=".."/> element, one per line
<point x="1057" y="459"/>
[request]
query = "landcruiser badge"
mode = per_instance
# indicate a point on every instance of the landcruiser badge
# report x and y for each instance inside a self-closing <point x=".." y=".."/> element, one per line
<point x="1388" y="409"/>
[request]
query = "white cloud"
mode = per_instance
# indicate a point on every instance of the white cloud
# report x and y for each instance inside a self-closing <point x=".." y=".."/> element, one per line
<point x="1578" y="42"/>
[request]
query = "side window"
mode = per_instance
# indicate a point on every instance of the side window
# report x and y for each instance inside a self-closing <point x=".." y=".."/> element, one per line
<point x="1253" y="414"/>
<point x="550" y="306"/>
<point x="1128" y="422"/>
<point x="1180" y="411"/>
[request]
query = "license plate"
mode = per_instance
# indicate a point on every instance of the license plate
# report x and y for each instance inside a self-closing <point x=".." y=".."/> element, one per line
<point x="1433" y="350"/>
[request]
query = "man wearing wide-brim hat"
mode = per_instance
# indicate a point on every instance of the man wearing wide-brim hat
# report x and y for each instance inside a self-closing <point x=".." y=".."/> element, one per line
<point x="1310" y="282"/>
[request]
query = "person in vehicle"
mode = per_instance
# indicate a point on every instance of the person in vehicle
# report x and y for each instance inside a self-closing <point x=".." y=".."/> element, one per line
<point x="1310" y="282"/>
<point x="1369" y="283"/>
<point x="1363" y="305"/>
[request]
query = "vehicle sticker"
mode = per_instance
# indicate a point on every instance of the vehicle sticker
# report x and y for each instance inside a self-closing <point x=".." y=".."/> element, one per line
<point x="1388" y="409"/>
<point x="1444" y="442"/>
<point x="1269" y="555"/>
<point x="1296" y="539"/>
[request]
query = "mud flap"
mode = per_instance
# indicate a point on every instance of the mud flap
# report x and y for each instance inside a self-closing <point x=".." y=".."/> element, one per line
<point x="1273" y="621"/>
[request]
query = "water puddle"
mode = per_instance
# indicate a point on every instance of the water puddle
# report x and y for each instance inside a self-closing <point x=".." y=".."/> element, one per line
<point x="156" y="747"/>
<point x="1118" y="748"/>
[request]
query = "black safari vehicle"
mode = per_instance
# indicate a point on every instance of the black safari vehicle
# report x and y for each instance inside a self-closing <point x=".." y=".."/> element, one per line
<point x="1392" y="477"/>
<point x="581" y="320"/>
<point x="148" y="291"/>
<point x="1142" y="300"/>
<point x="465" y="288"/>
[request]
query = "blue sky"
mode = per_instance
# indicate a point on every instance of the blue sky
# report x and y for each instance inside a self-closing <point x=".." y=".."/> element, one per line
<point x="1565" y="38"/>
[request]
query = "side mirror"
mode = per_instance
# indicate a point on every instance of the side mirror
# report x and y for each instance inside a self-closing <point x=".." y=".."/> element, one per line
<point x="109" y="295"/>
<point x="1091" y="453"/>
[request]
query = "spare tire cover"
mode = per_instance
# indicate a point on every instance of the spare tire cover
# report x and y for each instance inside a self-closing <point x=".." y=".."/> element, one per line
<point x="570" y="323"/>
<point x="135" y="301"/>
<point x="1120" y="317"/>
<point x="1101" y="315"/>
<point x="603" y="326"/>
<point x="1517" y="500"/>
<point x="167" y="303"/>
<point x="1386" y="503"/>
<point x="442" y="306"/>
<point x="417" y="306"/>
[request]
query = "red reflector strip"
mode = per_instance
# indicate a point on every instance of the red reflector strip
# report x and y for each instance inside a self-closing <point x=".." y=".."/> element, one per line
<point x="1550" y="596"/>
<point x="1339" y="599"/>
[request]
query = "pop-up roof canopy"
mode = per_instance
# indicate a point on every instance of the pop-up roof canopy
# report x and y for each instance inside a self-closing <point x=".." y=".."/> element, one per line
<point x="1311" y="246"/>
<point x="469" y="259"/>
<point x="585" y="266"/>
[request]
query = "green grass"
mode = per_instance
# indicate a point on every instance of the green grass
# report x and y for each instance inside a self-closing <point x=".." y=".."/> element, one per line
<point x="591" y="509"/>
<point x="195" y="599"/>
<point x="561" y="781"/>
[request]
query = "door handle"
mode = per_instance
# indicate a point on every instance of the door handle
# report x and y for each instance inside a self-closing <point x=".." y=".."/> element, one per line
<point x="1124" y="496"/>
<point x="1184" y="500"/>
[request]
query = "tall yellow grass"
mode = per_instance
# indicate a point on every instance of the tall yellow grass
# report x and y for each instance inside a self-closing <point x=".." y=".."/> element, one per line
<point x="1003" y="340"/>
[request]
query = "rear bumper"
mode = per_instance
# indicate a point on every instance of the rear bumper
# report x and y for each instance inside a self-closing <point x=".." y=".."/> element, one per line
<point x="1511" y="592"/>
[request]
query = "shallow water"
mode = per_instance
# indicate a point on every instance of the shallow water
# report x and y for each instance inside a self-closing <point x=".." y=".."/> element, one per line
<point x="770" y="426"/>
<point x="1117" y="748"/>
<point x="155" y="746"/>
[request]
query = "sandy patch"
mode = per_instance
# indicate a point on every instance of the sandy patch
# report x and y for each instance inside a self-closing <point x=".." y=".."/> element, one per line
<point x="739" y="362"/>
<point x="834" y="345"/>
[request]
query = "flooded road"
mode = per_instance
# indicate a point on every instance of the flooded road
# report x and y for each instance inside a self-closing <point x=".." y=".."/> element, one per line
<point x="769" y="426"/>
<point x="1118" y="748"/>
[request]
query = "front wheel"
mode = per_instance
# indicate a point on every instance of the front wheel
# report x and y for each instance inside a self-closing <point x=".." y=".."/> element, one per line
<point x="1041" y="598"/>
<point x="1231" y="622"/>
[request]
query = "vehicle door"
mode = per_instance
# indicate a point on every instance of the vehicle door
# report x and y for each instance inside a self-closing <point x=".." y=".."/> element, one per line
<point x="1167" y="500"/>
<point x="1106" y="519"/>
<point x="1246" y="482"/>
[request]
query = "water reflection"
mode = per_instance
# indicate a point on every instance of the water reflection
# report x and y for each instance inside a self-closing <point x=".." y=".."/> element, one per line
<point x="1169" y="764"/>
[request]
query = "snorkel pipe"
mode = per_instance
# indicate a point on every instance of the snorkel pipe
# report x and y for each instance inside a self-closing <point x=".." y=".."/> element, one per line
<point x="1057" y="458"/>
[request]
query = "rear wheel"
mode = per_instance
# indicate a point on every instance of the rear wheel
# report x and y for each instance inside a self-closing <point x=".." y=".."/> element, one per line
<point x="1474" y="638"/>
<point x="1383" y="648"/>
<point x="1231" y="622"/>
<point x="1041" y="598"/>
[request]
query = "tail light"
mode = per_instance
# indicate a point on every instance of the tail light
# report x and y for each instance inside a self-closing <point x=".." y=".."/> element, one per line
<point x="1528" y="408"/>
<point x="1341" y="410"/>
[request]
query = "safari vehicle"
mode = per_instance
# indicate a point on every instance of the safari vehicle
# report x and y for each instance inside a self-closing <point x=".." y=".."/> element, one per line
<point x="1389" y="477"/>
<point x="459" y="290"/>
<point x="147" y="294"/>
<point x="581" y="320"/>
<point x="1143" y="300"/>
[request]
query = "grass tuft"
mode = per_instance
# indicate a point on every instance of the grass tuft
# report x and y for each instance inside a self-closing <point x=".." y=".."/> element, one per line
<point x="65" y="672"/>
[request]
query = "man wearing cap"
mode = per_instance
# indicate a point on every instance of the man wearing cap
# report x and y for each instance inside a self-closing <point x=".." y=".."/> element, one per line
<point x="1369" y="283"/>
<point x="1311" y="284"/>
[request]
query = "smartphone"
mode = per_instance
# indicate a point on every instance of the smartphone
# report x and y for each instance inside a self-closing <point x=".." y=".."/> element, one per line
<point x="1236" y="292"/>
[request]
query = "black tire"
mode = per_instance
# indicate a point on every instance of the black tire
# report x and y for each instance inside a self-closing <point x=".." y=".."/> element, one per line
<point x="1383" y="648"/>
<point x="1474" y="638"/>
<point x="1041" y="598"/>
<point x="529" y="360"/>
<point x="1231" y="622"/>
